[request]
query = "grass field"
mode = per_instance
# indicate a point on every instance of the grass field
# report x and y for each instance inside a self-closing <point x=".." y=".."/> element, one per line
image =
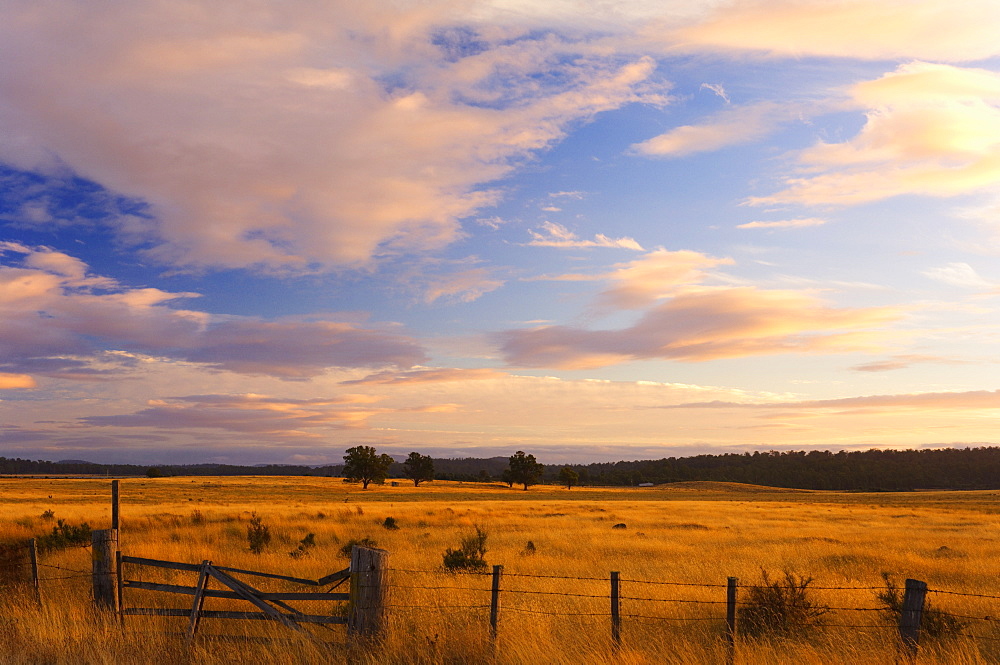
<point x="554" y="599"/>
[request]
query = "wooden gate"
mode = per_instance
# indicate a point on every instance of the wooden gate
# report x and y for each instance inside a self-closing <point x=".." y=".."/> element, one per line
<point x="365" y="574"/>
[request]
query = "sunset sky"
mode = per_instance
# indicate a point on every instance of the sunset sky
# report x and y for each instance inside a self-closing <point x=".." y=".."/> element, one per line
<point x="263" y="232"/>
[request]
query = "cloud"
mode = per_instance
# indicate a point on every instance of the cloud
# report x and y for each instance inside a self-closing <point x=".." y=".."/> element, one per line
<point x="967" y="400"/>
<point x="557" y="235"/>
<point x="733" y="126"/>
<point x="653" y="276"/>
<point x="461" y="286"/>
<point x="56" y="319"/>
<point x="424" y="375"/>
<point x="902" y="362"/>
<point x="882" y="30"/>
<point x="706" y="324"/>
<point x="719" y="91"/>
<point x="306" y="139"/>
<point x="960" y="274"/>
<point x="930" y="129"/>
<point x="251" y="414"/>
<point x="15" y="381"/>
<point x="784" y="223"/>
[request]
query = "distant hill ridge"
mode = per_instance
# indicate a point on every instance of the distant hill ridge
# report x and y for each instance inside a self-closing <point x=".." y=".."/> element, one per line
<point x="868" y="470"/>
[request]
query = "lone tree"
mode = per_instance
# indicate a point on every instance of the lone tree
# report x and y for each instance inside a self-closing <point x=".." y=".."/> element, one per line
<point x="418" y="468"/>
<point x="568" y="477"/>
<point x="524" y="470"/>
<point x="363" y="465"/>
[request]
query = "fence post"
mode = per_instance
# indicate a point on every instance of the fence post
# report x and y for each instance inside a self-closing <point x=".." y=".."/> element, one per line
<point x="495" y="604"/>
<point x="909" y="617"/>
<point x="732" y="584"/>
<point x="104" y="543"/>
<point x="33" y="553"/>
<point x="115" y="500"/>
<point x="120" y="586"/>
<point x="369" y="590"/>
<point x="616" y="617"/>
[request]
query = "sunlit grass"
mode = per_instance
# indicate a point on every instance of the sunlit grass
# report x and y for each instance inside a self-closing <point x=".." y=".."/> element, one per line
<point x="694" y="533"/>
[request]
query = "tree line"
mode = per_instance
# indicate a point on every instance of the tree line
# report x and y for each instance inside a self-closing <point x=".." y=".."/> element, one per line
<point x="868" y="470"/>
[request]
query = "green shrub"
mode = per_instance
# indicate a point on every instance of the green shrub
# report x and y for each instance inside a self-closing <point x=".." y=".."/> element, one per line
<point x="470" y="556"/>
<point x="390" y="524"/>
<point x="258" y="534"/>
<point x="345" y="551"/>
<point x="64" y="535"/>
<point x="933" y="622"/>
<point x="780" y="607"/>
<point x="305" y="545"/>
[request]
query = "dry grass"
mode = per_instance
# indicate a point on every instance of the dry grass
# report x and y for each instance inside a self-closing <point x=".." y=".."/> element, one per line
<point x="691" y="533"/>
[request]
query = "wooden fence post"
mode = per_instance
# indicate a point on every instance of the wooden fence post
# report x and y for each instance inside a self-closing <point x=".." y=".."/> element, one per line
<point x="732" y="584"/>
<point x="495" y="604"/>
<point x="369" y="590"/>
<point x="909" y="617"/>
<point x="104" y="543"/>
<point x="115" y="500"/>
<point x="120" y="587"/>
<point x="616" y="617"/>
<point x="33" y="553"/>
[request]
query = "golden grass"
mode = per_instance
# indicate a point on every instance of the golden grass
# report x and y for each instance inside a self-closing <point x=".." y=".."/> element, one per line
<point x="692" y="533"/>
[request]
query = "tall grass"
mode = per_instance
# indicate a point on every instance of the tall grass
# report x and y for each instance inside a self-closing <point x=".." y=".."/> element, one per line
<point x="699" y="536"/>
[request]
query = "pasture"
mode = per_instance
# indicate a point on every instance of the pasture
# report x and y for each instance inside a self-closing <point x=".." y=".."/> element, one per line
<point x="679" y="545"/>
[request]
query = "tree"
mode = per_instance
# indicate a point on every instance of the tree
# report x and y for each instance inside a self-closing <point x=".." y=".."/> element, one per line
<point x="507" y="477"/>
<point x="524" y="469"/>
<point x="568" y="477"/>
<point x="418" y="468"/>
<point x="363" y="465"/>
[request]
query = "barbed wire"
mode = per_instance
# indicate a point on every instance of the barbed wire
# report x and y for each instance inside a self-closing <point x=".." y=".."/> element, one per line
<point x="959" y="593"/>
<point x="439" y="588"/>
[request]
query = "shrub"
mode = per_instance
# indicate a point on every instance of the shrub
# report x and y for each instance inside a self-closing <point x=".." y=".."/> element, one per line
<point x="779" y="607"/>
<point x="933" y="622"/>
<point x="197" y="517"/>
<point x="345" y="551"/>
<point x="48" y="515"/>
<point x="470" y="556"/>
<point x="258" y="534"/>
<point x="529" y="549"/>
<point x="305" y="545"/>
<point x="64" y="535"/>
<point x="390" y="524"/>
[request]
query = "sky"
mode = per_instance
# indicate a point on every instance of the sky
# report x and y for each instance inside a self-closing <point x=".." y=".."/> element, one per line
<point x="264" y="232"/>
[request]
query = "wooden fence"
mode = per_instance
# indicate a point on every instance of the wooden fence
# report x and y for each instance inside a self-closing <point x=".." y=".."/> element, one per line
<point x="363" y="615"/>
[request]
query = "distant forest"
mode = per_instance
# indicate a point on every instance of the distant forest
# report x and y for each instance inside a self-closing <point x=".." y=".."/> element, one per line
<point x="870" y="470"/>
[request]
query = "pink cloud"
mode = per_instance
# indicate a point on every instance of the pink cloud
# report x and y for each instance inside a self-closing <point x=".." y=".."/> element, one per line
<point x="271" y="140"/>
<point x="52" y="318"/>
<point x="706" y="324"/>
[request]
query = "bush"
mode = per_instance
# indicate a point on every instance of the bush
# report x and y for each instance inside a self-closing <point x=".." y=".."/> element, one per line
<point x="470" y="556"/>
<point x="933" y="622"/>
<point x="390" y="524"/>
<point x="64" y="535"/>
<point x="779" y="607"/>
<point x="345" y="551"/>
<point x="305" y="545"/>
<point x="258" y="534"/>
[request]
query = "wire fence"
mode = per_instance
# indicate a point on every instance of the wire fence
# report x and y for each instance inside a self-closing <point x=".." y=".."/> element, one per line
<point x="720" y="608"/>
<point x="862" y="607"/>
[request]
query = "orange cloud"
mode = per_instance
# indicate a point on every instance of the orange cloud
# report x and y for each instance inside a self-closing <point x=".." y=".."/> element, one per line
<point x="931" y="129"/>
<point x="877" y="30"/>
<point x="707" y="324"/>
<point x="14" y="381"/>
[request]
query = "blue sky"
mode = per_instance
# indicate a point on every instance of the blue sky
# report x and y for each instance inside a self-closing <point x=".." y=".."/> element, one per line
<point x="266" y="232"/>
